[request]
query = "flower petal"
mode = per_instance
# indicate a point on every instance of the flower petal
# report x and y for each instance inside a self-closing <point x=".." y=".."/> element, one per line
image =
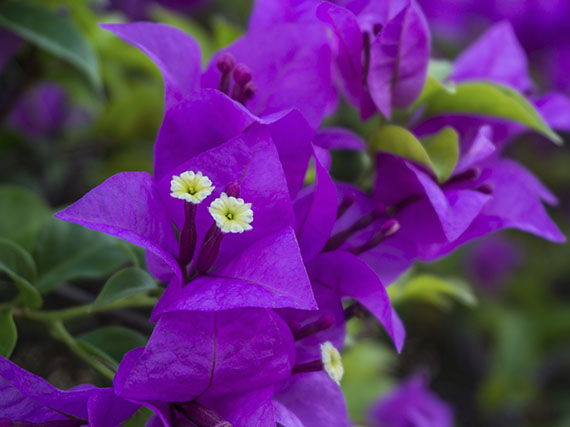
<point x="399" y="59"/>
<point x="412" y="403"/>
<point x="329" y="302"/>
<point x="251" y="160"/>
<point x="314" y="399"/>
<point x="350" y="276"/>
<point x="268" y="13"/>
<point x="29" y="398"/>
<point x="245" y="409"/>
<point x="496" y="56"/>
<point x="555" y="108"/>
<point x="316" y="214"/>
<point x="203" y="120"/>
<point x="174" y="52"/>
<point x="270" y="273"/>
<point x="333" y="138"/>
<point x="481" y="148"/>
<point x="208" y="118"/>
<point x="191" y="355"/>
<point x="291" y="68"/>
<point x="107" y="409"/>
<point x="348" y="54"/>
<point x="516" y="203"/>
<point x="128" y="206"/>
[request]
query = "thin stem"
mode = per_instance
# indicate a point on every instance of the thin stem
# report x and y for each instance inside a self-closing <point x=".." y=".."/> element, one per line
<point x="82" y="310"/>
<point x="59" y="332"/>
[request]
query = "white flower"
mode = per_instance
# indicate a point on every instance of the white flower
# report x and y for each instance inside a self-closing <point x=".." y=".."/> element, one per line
<point x="232" y="215"/>
<point x="332" y="362"/>
<point x="190" y="186"/>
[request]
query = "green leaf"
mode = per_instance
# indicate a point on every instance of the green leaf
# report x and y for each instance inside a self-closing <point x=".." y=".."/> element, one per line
<point x="67" y="251"/>
<point x="19" y="266"/>
<point x="124" y="283"/>
<point x="431" y="87"/>
<point x="225" y="32"/>
<point x="111" y="343"/>
<point x="50" y="31"/>
<point x="366" y="376"/>
<point x="439" y="152"/>
<point x="139" y="418"/>
<point x="136" y="124"/>
<point x="432" y="289"/>
<point x="136" y="254"/>
<point x="401" y="142"/>
<point x="21" y="214"/>
<point x="8" y="333"/>
<point x="443" y="151"/>
<point x="511" y="372"/>
<point x="489" y="99"/>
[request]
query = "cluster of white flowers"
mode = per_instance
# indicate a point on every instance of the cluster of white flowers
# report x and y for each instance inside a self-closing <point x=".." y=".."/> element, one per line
<point x="232" y="214"/>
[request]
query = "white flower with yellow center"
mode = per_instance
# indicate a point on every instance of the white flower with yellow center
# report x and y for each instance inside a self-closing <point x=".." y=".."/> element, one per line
<point x="332" y="362"/>
<point x="232" y="215"/>
<point x="190" y="186"/>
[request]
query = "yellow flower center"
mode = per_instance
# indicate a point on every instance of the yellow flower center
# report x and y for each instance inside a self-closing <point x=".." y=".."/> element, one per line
<point x="191" y="187"/>
<point x="232" y="215"/>
<point x="332" y="362"/>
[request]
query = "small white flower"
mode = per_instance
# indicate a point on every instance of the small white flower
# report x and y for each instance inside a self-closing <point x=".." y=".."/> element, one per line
<point x="332" y="361"/>
<point x="190" y="186"/>
<point x="232" y="215"/>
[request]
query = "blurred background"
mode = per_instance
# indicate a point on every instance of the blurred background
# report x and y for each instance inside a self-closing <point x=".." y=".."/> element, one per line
<point x="489" y="325"/>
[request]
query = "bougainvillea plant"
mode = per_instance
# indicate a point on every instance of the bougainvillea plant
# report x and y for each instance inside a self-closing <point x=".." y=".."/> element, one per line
<point x="258" y="260"/>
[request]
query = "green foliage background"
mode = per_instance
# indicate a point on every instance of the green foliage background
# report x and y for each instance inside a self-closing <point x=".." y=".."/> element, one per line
<point x="500" y="355"/>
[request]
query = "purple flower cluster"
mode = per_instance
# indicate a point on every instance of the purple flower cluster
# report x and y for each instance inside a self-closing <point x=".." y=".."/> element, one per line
<point x="249" y="328"/>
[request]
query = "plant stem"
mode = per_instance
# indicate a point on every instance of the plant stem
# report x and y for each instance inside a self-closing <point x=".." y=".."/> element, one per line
<point x="59" y="332"/>
<point x="82" y="310"/>
<point x="55" y="319"/>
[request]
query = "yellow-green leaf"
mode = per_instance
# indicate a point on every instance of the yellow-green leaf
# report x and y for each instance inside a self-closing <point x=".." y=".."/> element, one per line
<point x="19" y="266"/>
<point x="367" y="368"/>
<point x="52" y="32"/>
<point x="8" y="333"/>
<point x="491" y="100"/>
<point x="443" y="151"/>
<point x="400" y="142"/>
<point x="66" y="251"/>
<point x="431" y="87"/>
<point x="432" y="289"/>
<point x="125" y="283"/>
<point x="111" y="343"/>
<point x="21" y="214"/>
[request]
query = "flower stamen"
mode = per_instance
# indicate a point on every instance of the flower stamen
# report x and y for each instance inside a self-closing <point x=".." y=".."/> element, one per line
<point x="332" y="362"/>
<point x="191" y="187"/>
<point x="232" y="215"/>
